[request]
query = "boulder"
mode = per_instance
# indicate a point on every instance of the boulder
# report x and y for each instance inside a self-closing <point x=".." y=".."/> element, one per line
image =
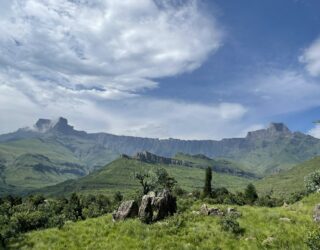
<point x="213" y="211"/>
<point x="165" y="204"/>
<point x="127" y="209"/>
<point x="316" y="213"/>
<point x="285" y="219"/>
<point x="146" y="210"/>
<point x="204" y="209"/>
<point x="268" y="241"/>
<point x="233" y="211"/>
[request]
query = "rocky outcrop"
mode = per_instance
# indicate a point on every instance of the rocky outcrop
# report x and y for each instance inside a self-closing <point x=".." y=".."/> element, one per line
<point x="153" y="207"/>
<point x="146" y="210"/>
<point x="316" y="213"/>
<point x="148" y="157"/>
<point x="127" y="209"/>
<point x="213" y="211"/>
<point x="165" y="204"/>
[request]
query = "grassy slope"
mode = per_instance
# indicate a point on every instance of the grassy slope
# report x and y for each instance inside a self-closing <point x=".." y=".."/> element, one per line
<point x="183" y="231"/>
<point x="118" y="175"/>
<point x="207" y="161"/>
<point x="21" y="172"/>
<point x="290" y="181"/>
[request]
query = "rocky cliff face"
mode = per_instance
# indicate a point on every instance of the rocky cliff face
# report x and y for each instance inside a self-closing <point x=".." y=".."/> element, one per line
<point x="271" y="149"/>
<point x="152" y="158"/>
<point x="273" y="131"/>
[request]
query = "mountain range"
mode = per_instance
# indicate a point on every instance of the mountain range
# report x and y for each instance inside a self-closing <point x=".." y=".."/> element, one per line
<point x="52" y="151"/>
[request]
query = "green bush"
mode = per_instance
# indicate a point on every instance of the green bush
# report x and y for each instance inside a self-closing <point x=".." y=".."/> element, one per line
<point x="313" y="239"/>
<point x="230" y="224"/>
<point x="312" y="181"/>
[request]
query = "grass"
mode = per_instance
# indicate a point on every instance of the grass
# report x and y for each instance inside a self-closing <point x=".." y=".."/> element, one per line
<point x="185" y="230"/>
<point x="288" y="182"/>
<point x="119" y="176"/>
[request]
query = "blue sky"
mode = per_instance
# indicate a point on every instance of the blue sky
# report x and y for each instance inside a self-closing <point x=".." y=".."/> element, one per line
<point x="164" y="68"/>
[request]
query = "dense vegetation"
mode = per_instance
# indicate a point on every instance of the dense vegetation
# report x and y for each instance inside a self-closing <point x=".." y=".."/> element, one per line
<point x="35" y="212"/>
<point x="263" y="228"/>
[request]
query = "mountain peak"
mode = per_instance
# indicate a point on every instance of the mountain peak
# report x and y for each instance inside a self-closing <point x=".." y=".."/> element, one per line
<point x="273" y="130"/>
<point x="278" y="127"/>
<point x="59" y="125"/>
<point x="43" y="125"/>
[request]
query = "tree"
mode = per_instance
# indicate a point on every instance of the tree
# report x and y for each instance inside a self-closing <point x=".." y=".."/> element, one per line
<point x="312" y="181"/>
<point x="164" y="180"/>
<point x="73" y="209"/>
<point x="144" y="180"/>
<point x="207" y="190"/>
<point x="250" y="194"/>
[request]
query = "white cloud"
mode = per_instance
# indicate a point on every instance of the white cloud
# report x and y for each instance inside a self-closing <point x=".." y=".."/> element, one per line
<point x="90" y="61"/>
<point x="315" y="132"/>
<point x="137" y="116"/>
<point x="311" y="58"/>
<point x="280" y="91"/>
<point x="110" y="44"/>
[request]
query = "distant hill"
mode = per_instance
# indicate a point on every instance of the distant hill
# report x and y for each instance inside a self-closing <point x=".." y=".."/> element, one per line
<point x="119" y="176"/>
<point x="53" y="151"/>
<point x="288" y="182"/>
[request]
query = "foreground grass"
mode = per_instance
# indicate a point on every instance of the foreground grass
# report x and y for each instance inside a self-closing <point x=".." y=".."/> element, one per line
<point x="186" y="230"/>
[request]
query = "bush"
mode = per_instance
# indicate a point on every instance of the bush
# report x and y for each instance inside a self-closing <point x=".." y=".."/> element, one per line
<point x="250" y="194"/>
<point x="230" y="224"/>
<point x="117" y="197"/>
<point x="268" y="201"/>
<point x="312" y="182"/>
<point x="313" y="240"/>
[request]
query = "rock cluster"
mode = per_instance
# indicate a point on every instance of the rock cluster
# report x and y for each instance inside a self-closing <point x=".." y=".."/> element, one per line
<point x="214" y="211"/>
<point x="153" y="207"/>
<point x="316" y="213"/>
<point x="211" y="211"/>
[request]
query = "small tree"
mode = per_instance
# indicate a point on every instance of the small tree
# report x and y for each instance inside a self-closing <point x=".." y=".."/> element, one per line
<point x="312" y="181"/>
<point x="250" y="194"/>
<point x="207" y="190"/>
<point x="146" y="181"/>
<point x="164" y="180"/>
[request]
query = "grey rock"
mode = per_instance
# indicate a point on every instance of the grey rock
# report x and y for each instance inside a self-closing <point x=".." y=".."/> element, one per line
<point x="213" y="211"/>
<point x="127" y="209"/>
<point x="166" y="204"/>
<point x="316" y="213"/>
<point x="146" y="210"/>
<point x="284" y="219"/>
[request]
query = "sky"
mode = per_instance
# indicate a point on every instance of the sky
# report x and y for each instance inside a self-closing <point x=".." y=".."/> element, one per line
<point x="189" y="69"/>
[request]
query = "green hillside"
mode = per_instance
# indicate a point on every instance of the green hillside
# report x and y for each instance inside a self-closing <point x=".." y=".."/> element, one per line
<point x="186" y="230"/>
<point x="40" y="162"/>
<point x="118" y="176"/>
<point x="218" y="165"/>
<point x="288" y="182"/>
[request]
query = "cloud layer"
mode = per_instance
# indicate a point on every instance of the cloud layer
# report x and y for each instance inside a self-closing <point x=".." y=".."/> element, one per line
<point x="103" y="47"/>
<point x="311" y="58"/>
<point x="91" y="61"/>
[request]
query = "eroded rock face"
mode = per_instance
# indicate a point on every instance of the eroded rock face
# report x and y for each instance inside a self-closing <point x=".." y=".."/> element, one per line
<point x="316" y="213"/>
<point x="146" y="210"/>
<point x="153" y="207"/>
<point x="165" y="204"/>
<point x="127" y="209"/>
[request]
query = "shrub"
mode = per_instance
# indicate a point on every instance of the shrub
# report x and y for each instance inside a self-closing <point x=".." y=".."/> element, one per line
<point x="207" y="184"/>
<point x="117" y="197"/>
<point x="313" y="239"/>
<point x="312" y="181"/>
<point x="250" y="194"/>
<point x="230" y="224"/>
